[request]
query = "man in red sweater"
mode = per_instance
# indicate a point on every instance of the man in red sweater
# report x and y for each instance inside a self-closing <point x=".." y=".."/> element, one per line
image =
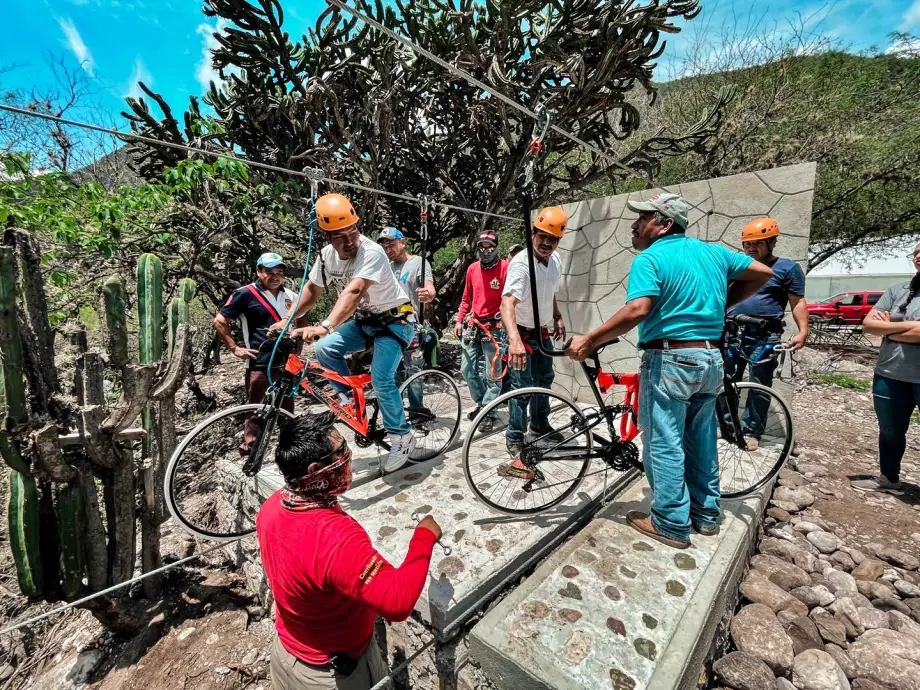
<point x="328" y="581"/>
<point x="482" y="299"/>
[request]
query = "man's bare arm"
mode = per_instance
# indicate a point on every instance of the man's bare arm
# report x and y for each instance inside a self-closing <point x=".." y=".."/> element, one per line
<point x="748" y="282"/>
<point x="348" y="300"/>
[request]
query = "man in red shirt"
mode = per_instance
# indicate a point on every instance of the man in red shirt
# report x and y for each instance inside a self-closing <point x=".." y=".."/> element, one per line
<point x="328" y="581"/>
<point x="482" y="300"/>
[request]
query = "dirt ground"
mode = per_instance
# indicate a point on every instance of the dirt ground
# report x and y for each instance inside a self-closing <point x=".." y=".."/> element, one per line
<point x="209" y="633"/>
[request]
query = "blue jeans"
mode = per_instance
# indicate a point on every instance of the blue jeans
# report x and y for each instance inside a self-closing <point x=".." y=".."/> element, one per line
<point x="677" y="415"/>
<point x="895" y="402"/>
<point x="538" y="372"/>
<point x="475" y="365"/>
<point x="413" y="362"/>
<point x="350" y="337"/>
<point x="754" y="418"/>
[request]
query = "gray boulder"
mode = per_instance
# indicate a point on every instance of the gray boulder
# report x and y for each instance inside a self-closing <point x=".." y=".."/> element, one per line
<point x="841" y="583"/>
<point x="842" y="659"/>
<point x="825" y="542"/>
<point x="756" y="630"/>
<point x="804" y="635"/>
<point x="887" y="657"/>
<point x="780" y="572"/>
<point x="814" y="669"/>
<point x="797" y="497"/>
<point x="902" y="559"/>
<point x="743" y="671"/>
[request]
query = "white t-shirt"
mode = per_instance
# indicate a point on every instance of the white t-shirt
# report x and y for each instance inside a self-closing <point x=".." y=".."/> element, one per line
<point x="517" y="284"/>
<point x="370" y="263"/>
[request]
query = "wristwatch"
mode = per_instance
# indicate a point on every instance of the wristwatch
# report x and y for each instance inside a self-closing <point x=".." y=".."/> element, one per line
<point x="327" y="324"/>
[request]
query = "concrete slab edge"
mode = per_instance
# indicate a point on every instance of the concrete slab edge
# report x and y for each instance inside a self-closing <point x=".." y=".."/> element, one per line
<point x="717" y="594"/>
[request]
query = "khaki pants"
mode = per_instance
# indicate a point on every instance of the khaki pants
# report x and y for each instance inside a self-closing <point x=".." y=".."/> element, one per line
<point x="289" y="673"/>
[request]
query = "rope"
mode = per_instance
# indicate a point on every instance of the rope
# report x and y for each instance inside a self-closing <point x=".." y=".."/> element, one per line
<point x="473" y="80"/>
<point x="113" y="588"/>
<point x="254" y="164"/>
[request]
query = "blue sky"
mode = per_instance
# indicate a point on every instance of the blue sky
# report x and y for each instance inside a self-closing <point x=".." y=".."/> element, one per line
<point x="164" y="42"/>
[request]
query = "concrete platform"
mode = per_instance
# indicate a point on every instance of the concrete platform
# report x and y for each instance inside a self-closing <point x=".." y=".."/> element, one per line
<point x="488" y="548"/>
<point x="614" y="609"/>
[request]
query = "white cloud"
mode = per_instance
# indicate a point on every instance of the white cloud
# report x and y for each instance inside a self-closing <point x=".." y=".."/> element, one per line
<point x="139" y="73"/>
<point x="912" y="16"/>
<point x="77" y="46"/>
<point x="205" y="72"/>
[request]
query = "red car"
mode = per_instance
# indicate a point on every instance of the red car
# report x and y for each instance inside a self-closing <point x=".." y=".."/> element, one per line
<point x="845" y="308"/>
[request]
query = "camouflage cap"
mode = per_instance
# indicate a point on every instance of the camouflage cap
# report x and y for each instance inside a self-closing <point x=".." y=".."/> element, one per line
<point x="672" y="206"/>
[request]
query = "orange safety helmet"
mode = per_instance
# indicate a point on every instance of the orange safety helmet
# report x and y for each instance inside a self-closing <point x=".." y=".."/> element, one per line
<point x="760" y="229"/>
<point x="335" y="212"/>
<point x="552" y="220"/>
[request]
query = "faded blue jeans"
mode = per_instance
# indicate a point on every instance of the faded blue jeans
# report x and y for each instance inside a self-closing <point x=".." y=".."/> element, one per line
<point x="350" y="337"/>
<point x="677" y="415"/>
<point x="475" y="365"/>
<point x="538" y="372"/>
<point x="895" y="402"/>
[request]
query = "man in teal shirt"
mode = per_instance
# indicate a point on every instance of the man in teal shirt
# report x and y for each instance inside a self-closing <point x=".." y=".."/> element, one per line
<point x="678" y="292"/>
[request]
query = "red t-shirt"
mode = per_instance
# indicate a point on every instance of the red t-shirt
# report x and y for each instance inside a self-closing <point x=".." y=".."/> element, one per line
<point x="482" y="291"/>
<point x="330" y="583"/>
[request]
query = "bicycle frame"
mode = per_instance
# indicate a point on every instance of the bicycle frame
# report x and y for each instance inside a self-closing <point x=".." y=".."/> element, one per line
<point x="356" y="417"/>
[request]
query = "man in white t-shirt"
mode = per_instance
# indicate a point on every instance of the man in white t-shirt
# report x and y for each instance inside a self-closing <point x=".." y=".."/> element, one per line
<point x="360" y="272"/>
<point x="408" y="270"/>
<point x="528" y="365"/>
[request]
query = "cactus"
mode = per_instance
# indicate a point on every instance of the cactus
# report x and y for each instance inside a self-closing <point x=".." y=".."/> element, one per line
<point x="71" y="529"/>
<point x="23" y="516"/>
<point x="115" y="318"/>
<point x="178" y="314"/>
<point x="55" y="518"/>
<point x="13" y="413"/>
<point x="187" y="289"/>
<point x="150" y="308"/>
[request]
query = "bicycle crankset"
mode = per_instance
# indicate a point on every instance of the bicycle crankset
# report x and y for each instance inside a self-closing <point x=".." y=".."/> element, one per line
<point x="622" y="456"/>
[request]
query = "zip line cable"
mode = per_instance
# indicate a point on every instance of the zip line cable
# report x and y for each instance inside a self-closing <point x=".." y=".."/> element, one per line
<point x="254" y="164"/>
<point x="473" y="80"/>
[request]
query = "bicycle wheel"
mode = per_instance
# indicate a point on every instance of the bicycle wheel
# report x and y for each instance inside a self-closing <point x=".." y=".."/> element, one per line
<point x="558" y="465"/>
<point x="766" y="424"/>
<point x="206" y="490"/>
<point x="432" y="403"/>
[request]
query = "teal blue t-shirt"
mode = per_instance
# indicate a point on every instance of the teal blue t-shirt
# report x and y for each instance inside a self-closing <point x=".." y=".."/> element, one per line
<point x="689" y="280"/>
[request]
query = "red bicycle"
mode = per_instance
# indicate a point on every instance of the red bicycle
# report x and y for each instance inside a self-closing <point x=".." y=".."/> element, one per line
<point x="214" y="483"/>
<point x="755" y="439"/>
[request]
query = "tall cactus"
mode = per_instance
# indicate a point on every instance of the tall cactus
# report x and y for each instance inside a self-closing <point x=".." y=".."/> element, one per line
<point x="150" y="349"/>
<point x="187" y="289"/>
<point x="56" y="520"/>
<point x="13" y="411"/>
<point x="23" y="515"/>
<point x="113" y="292"/>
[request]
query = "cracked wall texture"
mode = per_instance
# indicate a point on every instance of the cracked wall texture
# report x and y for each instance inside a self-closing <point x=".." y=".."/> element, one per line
<point x="597" y="255"/>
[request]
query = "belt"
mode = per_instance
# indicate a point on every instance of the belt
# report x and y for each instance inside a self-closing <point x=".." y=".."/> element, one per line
<point x="666" y="344"/>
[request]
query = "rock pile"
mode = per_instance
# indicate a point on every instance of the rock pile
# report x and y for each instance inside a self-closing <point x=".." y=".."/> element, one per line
<point x="821" y="612"/>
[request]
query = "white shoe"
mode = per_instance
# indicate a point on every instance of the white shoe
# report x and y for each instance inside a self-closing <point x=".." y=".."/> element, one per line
<point x="401" y="445"/>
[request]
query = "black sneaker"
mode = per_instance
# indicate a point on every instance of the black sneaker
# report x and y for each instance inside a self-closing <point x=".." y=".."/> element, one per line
<point x="471" y="415"/>
<point x="547" y="435"/>
<point x="487" y="425"/>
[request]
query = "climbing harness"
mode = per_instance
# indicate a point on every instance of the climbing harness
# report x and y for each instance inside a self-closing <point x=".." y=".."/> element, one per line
<point x="475" y="327"/>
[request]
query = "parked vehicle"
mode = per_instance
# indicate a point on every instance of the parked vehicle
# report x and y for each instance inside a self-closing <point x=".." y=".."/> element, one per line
<point x="847" y="308"/>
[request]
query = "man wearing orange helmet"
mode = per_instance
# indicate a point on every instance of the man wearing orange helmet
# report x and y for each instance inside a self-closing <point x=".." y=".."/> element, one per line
<point x="528" y="366"/>
<point x="359" y="270"/>
<point x="786" y="287"/>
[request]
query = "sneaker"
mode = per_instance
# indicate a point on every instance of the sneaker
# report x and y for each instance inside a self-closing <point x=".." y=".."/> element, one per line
<point x="471" y="415"/>
<point x="880" y="483"/>
<point x="487" y="425"/>
<point x="401" y="445"/>
<point x="547" y="435"/>
<point x="514" y="448"/>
